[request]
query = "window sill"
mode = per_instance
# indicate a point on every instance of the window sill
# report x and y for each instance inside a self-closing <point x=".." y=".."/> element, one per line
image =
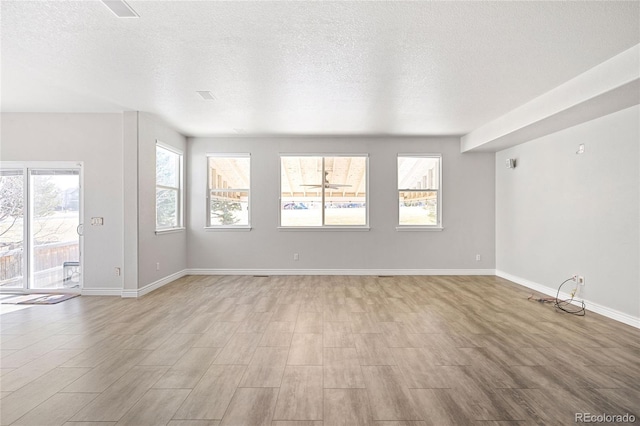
<point x="324" y="228"/>
<point x="419" y="228"/>
<point x="227" y="228"/>
<point x="169" y="231"/>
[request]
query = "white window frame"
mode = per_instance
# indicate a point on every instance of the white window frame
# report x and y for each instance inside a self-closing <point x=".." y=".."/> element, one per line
<point x="180" y="190"/>
<point x="323" y="227"/>
<point x="208" y="225"/>
<point x="27" y="167"/>
<point x="438" y="226"/>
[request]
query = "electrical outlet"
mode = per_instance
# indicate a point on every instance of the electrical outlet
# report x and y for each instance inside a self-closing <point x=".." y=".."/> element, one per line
<point x="580" y="280"/>
<point x="296" y="256"/>
<point x="158" y="266"/>
<point x="478" y="258"/>
<point x="117" y="270"/>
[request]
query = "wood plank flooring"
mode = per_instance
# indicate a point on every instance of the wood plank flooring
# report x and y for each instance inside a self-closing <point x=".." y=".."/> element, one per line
<point x="315" y="351"/>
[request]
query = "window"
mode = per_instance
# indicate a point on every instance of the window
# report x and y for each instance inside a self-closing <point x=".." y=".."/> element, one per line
<point x="168" y="188"/>
<point x="318" y="191"/>
<point x="229" y="178"/>
<point x="40" y="221"/>
<point x="419" y="195"/>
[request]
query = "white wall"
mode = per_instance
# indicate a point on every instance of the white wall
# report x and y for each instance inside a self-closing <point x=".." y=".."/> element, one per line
<point x="96" y="140"/>
<point x="170" y="250"/>
<point x="559" y="213"/>
<point x="118" y="151"/>
<point x="468" y="211"/>
<point x="130" y="200"/>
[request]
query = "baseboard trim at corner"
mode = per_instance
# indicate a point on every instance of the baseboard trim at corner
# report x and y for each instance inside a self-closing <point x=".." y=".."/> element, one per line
<point x="100" y="292"/>
<point x="154" y="285"/>
<point x="591" y="306"/>
<point x="202" y="271"/>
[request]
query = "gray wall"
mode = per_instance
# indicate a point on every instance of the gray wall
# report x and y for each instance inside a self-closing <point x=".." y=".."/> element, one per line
<point x="118" y="151"/>
<point x="96" y="140"/>
<point x="468" y="211"/>
<point x="170" y="249"/>
<point x="559" y="213"/>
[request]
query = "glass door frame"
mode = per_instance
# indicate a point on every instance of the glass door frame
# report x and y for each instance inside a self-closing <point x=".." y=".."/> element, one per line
<point x="26" y="167"/>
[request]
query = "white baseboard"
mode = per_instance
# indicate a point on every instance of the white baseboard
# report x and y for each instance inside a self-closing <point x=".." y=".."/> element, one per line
<point x="154" y="285"/>
<point x="591" y="306"/>
<point x="170" y="278"/>
<point x="200" y="271"/>
<point x="101" y="292"/>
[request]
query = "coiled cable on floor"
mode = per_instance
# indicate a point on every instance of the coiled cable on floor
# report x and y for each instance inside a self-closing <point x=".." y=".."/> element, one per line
<point x="560" y="304"/>
<point x="564" y="305"/>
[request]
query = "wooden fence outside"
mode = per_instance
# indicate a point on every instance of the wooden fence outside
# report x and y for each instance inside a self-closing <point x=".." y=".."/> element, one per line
<point x="47" y="256"/>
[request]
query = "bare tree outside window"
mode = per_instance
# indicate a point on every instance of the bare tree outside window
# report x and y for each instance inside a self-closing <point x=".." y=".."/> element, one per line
<point x="11" y="203"/>
<point x="52" y="212"/>
<point x="168" y="188"/>
<point x="48" y="201"/>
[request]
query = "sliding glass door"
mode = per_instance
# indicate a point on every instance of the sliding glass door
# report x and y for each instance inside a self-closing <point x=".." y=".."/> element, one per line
<point x="12" y="229"/>
<point x="54" y="228"/>
<point x="40" y="228"/>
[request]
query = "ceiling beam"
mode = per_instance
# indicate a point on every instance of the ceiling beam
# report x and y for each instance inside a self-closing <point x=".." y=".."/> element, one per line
<point x="604" y="89"/>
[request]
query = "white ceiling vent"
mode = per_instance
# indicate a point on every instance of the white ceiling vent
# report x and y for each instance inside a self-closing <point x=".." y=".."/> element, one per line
<point x="120" y="8"/>
<point x="206" y="95"/>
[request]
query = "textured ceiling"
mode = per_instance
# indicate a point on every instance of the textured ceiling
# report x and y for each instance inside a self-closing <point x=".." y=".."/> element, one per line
<point x="402" y="68"/>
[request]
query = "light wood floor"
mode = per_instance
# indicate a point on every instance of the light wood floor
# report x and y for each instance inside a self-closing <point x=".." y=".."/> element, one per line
<point x="315" y="351"/>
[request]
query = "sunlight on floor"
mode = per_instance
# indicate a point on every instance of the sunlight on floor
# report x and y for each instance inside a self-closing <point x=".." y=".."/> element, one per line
<point x="5" y="309"/>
